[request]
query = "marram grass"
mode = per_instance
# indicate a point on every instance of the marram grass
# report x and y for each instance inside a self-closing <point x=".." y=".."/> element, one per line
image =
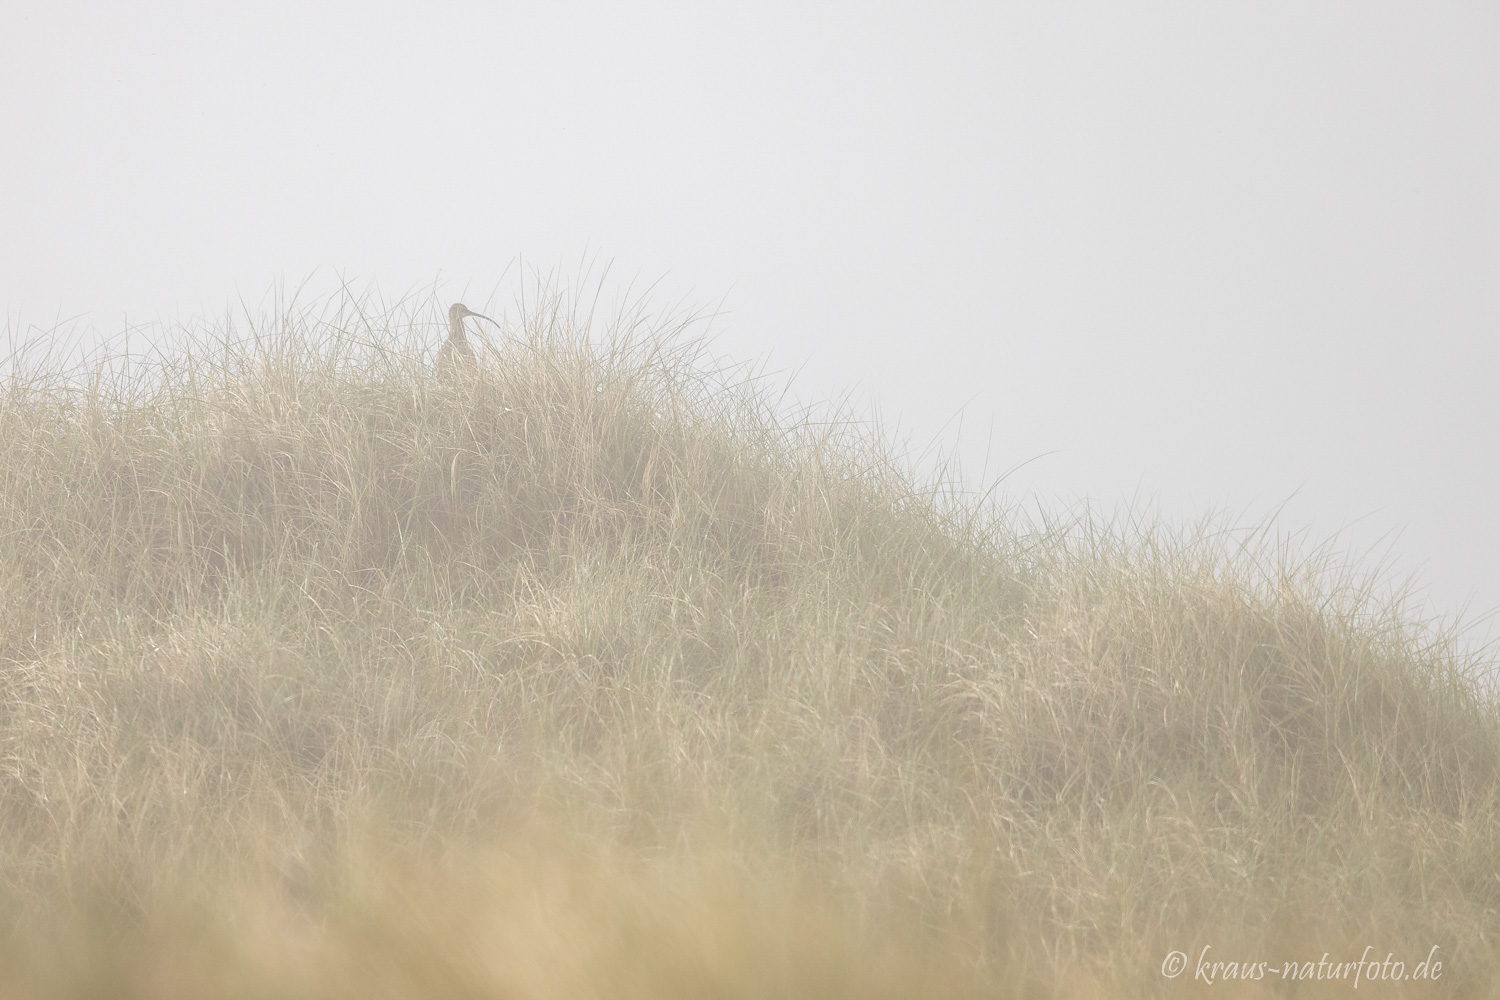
<point x="600" y="674"/>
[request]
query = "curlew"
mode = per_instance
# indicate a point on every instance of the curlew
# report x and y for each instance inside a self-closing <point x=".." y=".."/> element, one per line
<point x="456" y="355"/>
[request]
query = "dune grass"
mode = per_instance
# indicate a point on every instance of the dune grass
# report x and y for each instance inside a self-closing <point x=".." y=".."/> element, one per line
<point x="604" y="674"/>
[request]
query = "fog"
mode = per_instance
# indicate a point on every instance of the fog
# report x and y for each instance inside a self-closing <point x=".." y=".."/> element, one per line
<point x="1243" y="259"/>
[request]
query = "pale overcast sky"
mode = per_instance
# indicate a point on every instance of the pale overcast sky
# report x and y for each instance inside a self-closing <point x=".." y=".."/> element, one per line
<point x="1208" y="255"/>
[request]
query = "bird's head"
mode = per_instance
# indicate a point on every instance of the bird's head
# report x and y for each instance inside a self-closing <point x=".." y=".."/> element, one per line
<point x="458" y="311"/>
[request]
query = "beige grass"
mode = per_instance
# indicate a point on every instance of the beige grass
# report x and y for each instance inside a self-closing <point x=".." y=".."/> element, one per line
<point x="603" y="675"/>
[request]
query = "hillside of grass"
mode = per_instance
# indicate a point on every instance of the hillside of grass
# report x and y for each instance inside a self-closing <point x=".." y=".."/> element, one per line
<point x="603" y="673"/>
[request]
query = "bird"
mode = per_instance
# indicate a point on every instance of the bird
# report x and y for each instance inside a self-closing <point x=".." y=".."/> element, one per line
<point x="456" y="355"/>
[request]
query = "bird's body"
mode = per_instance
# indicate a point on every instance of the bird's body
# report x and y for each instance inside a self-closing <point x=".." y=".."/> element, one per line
<point x="457" y="355"/>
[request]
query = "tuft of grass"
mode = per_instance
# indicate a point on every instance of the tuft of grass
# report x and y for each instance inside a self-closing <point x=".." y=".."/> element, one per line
<point x="604" y="673"/>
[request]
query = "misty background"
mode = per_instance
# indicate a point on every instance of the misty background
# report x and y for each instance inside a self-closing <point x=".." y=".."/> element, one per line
<point x="1240" y="258"/>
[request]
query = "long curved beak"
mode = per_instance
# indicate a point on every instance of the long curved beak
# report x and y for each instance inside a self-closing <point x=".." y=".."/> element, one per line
<point x="482" y="316"/>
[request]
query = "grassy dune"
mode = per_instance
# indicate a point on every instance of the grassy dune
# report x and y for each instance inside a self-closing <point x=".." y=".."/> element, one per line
<point x="603" y="675"/>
